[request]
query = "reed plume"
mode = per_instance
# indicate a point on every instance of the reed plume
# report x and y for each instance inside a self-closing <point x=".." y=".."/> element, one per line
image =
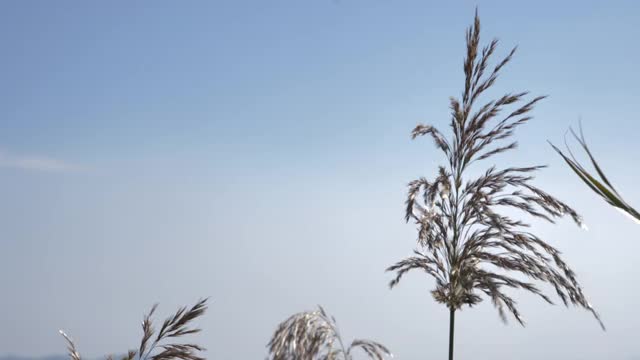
<point x="157" y="347"/>
<point x="314" y="335"/>
<point x="465" y="243"/>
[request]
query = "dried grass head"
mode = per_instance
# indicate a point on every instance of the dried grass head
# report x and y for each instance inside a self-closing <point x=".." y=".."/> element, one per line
<point x="314" y="335"/>
<point x="467" y="245"/>
<point x="155" y="346"/>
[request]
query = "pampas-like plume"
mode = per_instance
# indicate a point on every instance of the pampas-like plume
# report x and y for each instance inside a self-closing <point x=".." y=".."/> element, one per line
<point x="157" y="348"/>
<point x="314" y="335"/>
<point x="467" y="246"/>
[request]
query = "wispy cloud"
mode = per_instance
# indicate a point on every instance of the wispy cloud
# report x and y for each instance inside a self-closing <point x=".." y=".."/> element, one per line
<point x="34" y="162"/>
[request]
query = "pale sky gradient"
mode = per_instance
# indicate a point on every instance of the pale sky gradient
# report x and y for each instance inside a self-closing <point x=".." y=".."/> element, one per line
<point x="257" y="152"/>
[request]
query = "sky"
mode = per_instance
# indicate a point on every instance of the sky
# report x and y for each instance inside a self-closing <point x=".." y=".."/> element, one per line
<point x="257" y="152"/>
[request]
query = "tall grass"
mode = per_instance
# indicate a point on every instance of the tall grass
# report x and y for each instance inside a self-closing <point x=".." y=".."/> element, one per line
<point x="601" y="186"/>
<point x="465" y="244"/>
<point x="314" y="335"/>
<point x="161" y="345"/>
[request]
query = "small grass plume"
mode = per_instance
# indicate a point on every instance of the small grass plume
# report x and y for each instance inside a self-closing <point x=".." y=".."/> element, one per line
<point x="466" y="244"/>
<point x="155" y="346"/>
<point x="601" y="186"/>
<point x="314" y="335"/>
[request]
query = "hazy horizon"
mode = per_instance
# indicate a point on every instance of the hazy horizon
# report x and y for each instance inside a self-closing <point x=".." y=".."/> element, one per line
<point x="258" y="153"/>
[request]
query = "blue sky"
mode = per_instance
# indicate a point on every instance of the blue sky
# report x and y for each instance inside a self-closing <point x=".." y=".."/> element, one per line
<point x="257" y="152"/>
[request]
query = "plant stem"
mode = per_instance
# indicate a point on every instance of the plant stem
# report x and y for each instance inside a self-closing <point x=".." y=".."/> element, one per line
<point x="452" y="320"/>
